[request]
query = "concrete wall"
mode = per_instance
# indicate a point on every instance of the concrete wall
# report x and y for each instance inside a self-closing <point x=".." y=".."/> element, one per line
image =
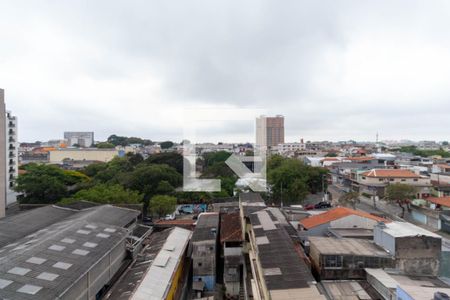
<point x="418" y="255"/>
<point x="204" y="262"/>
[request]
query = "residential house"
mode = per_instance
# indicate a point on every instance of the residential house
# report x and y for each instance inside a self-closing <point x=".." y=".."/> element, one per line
<point x="338" y="218"/>
<point x="376" y="181"/>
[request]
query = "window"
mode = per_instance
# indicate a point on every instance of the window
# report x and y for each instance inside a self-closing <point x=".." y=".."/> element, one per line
<point x="416" y="179"/>
<point x="392" y="179"/>
<point x="403" y="179"/>
<point x="364" y="177"/>
<point x="199" y="264"/>
<point x="380" y="179"/>
<point x="333" y="262"/>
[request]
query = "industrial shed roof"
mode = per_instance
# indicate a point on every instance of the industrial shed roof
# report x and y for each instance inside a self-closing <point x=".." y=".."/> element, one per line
<point x="46" y="262"/>
<point x="346" y="246"/>
<point x="283" y="267"/>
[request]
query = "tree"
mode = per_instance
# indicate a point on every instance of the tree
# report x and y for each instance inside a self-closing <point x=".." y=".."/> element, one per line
<point x="105" y="145"/>
<point x="172" y="159"/>
<point x="166" y="145"/>
<point x="44" y="184"/>
<point x="147" y="180"/>
<point x="331" y="154"/>
<point x="291" y="181"/>
<point x="162" y="205"/>
<point x="402" y="194"/>
<point x="106" y="194"/>
<point x="350" y="198"/>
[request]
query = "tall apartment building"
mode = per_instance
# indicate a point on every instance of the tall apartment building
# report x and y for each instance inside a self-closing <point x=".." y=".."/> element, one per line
<point x="82" y="139"/>
<point x="12" y="156"/>
<point x="269" y="131"/>
<point x="2" y="154"/>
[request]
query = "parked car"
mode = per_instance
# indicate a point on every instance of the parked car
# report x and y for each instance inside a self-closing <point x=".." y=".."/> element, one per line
<point x="309" y="206"/>
<point x="170" y="217"/>
<point x="322" y="204"/>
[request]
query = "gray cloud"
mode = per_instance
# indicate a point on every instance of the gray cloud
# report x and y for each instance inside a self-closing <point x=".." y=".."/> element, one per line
<point x="335" y="70"/>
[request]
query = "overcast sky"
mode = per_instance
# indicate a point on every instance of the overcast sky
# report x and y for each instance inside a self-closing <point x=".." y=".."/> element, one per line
<point x="336" y="70"/>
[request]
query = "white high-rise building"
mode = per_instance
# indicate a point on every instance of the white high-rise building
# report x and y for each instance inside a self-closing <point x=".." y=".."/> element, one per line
<point x="12" y="157"/>
<point x="2" y="154"/>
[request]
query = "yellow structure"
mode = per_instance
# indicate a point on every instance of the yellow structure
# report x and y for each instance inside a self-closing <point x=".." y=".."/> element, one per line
<point x="92" y="154"/>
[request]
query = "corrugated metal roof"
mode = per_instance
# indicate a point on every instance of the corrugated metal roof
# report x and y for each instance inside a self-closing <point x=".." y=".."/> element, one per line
<point x="158" y="279"/>
<point x="54" y="252"/>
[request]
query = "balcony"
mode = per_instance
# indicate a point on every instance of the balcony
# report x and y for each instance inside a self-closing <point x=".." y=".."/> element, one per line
<point x="12" y="140"/>
<point x="11" y="147"/>
<point x="12" y="170"/>
<point x="12" y="125"/>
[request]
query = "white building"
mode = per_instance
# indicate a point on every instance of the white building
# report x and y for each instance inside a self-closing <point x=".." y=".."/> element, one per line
<point x="2" y="154"/>
<point x="12" y="157"/>
<point x="82" y="139"/>
<point x="288" y="148"/>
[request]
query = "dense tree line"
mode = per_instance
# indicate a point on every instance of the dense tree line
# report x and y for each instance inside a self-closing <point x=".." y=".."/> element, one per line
<point x="133" y="179"/>
<point x="425" y="153"/>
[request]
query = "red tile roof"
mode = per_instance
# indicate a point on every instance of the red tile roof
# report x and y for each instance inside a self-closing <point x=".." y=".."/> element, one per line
<point x="391" y="173"/>
<point x="230" y="228"/>
<point x="335" y="214"/>
<point x="443" y="201"/>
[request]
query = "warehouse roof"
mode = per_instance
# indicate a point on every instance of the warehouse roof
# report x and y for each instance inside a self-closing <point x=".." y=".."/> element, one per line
<point x="346" y="246"/>
<point x="47" y="261"/>
<point x="283" y="267"/>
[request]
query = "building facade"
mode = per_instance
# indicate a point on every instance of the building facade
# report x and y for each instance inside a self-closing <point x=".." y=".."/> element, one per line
<point x="2" y="154"/>
<point x="269" y="131"/>
<point x="12" y="158"/>
<point x="204" y="252"/>
<point x="80" y="138"/>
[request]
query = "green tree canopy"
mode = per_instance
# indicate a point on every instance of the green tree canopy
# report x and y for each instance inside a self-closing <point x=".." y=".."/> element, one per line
<point x="291" y="180"/>
<point x="172" y="159"/>
<point x="106" y="194"/>
<point x="44" y="184"/>
<point x="166" y="145"/>
<point x="162" y="205"/>
<point x="104" y="145"/>
<point x="147" y="179"/>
